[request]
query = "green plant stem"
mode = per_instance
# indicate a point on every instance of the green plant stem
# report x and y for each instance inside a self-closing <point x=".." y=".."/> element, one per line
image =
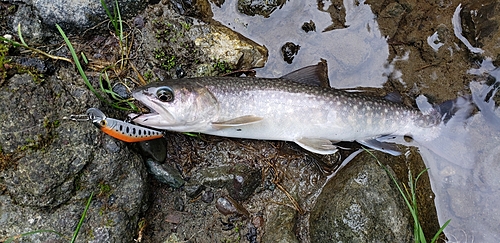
<point x="82" y="218"/>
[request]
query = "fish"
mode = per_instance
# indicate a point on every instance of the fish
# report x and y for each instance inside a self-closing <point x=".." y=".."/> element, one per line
<point x="121" y="130"/>
<point x="297" y="107"/>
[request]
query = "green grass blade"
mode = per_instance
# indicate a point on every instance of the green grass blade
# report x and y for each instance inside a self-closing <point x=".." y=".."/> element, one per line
<point x="110" y="16"/>
<point x="435" y="238"/>
<point x="119" y="17"/>
<point x="77" y="62"/>
<point x="82" y="218"/>
<point x="84" y="57"/>
<point x="13" y="43"/>
<point x="20" y="34"/>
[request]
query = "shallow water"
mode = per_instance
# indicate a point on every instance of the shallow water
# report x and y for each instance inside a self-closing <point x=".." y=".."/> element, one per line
<point x="463" y="161"/>
<point x="465" y="177"/>
<point x="358" y="47"/>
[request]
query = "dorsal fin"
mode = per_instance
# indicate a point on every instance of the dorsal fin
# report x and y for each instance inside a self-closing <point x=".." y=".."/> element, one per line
<point x="312" y="75"/>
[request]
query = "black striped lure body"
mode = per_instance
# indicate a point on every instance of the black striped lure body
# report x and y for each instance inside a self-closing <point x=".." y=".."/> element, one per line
<point x="121" y="130"/>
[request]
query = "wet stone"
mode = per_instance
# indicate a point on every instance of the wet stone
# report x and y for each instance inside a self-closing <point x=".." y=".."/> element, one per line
<point x="359" y="204"/>
<point x="259" y="7"/>
<point x="121" y="90"/>
<point x="207" y="196"/>
<point x="309" y="26"/>
<point x="288" y="51"/>
<point x="193" y="191"/>
<point x="280" y="222"/>
<point x="240" y="180"/>
<point x="155" y="149"/>
<point x="164" y="173"/>
<point x="179" y="204"/>
<point x="227" y="206"/>
<point x="198" y="8"/>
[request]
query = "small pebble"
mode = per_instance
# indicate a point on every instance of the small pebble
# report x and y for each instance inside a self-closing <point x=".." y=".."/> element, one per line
<point x="207" y="196"/>
<point x="311" y="26"/>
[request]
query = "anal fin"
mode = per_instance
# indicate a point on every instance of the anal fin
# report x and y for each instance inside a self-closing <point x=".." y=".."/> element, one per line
<point x="317" y="145"/>
<point x="389" y="148"/>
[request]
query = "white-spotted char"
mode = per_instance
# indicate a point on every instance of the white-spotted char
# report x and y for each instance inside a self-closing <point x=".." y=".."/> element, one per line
<point x="287" y="108"/>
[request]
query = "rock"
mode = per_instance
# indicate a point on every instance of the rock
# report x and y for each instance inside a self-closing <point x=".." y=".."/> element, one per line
<point x="165" y="173"/>
<point x="221" y="43"/>
<point x="60" y="162"/>
<point x="240" y="180"/>
<point x="309" y="26"/>
<point x="259" y="7"/>
<point x="155" y="149"/>
<point x="480" y="23"/>
<point x="30" y="22"/>
<point x="360" y="203"/>
<point x="75" y="16"/>
<point x="227" y="205"/>
<point x="280" y="224"/>
<point x="184" y="46"/>
<point x="207" y="196"/>
<point x="288" y="51"/>
<point x="200" y="9"/>
<point x="337" y="13"/>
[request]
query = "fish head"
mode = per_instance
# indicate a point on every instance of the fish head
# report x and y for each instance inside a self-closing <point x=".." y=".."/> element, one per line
<point x="175" y="105"/>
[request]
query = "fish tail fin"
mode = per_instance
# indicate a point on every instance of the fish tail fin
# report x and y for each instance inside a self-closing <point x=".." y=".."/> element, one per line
<point x="456" y="111"/>
<point x="452" y="142"/>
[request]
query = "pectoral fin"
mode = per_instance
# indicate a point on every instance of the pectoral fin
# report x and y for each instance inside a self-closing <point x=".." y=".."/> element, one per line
<point x="239" y="121"/>
<point x="389" y="148"/>
<point x="317" y="145"/>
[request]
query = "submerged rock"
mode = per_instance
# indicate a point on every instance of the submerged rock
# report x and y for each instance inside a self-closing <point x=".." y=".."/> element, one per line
<point x="288" y="51"/>
<point x="259" y="7"/>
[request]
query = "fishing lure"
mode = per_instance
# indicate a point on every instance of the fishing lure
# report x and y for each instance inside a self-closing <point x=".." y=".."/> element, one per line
<point x="121" y="130"/>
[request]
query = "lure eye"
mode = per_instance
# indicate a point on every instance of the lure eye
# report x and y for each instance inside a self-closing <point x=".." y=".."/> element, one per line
<point x="165" y="94"/>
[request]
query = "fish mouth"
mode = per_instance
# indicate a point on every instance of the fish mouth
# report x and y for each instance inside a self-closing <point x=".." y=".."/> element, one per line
<point x="157" y="113"/>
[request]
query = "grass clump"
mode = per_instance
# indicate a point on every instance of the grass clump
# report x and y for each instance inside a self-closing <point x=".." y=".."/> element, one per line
<point x="118" y="68"/>
<point x="410" y="198"/>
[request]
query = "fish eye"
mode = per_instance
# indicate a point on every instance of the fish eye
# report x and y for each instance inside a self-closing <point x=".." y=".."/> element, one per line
<point x="165" y="94"/>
